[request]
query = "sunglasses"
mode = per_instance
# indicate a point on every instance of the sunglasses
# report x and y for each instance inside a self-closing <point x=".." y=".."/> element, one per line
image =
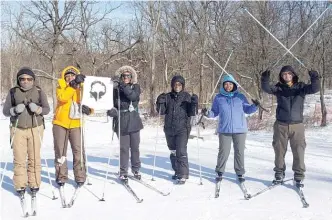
<point x="25" y="79"/>
<point x="126" y="75"/>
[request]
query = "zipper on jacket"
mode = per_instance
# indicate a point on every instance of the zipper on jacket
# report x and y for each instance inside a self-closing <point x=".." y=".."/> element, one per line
<point x="232" y="113"/>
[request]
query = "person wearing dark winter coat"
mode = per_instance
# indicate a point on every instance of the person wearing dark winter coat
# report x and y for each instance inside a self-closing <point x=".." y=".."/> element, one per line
<point x="289" y="125"/>
<point x="26" y="104"/>
<point x="231" y="106"/>
<point x="178" y="106"/>
<point x="126" y="98"/>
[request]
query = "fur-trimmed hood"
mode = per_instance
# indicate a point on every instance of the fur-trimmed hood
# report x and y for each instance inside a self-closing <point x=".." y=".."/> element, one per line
<point x="129" y="69"/>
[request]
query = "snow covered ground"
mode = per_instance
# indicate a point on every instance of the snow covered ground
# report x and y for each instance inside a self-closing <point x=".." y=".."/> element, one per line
<point x="190" y="201"/>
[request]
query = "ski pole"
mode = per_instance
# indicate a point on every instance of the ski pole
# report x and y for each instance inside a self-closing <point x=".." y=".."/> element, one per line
<point x="86" y="154"/>
<point x="155" y="146"/>
<point x="45" y="161"/>
<point x="119" y="131"/>
<point x="300" y="37"/>
<point x="198" y="151"/>
<point x="11" y="145"/>
<point x="288" y="51"/>
<point x="236" y="82"/>
<point x="107" y="168"/>
<point x="215" y="87"/>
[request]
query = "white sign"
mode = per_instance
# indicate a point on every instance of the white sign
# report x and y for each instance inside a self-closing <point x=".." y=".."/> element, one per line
<point x="98" y="95"/>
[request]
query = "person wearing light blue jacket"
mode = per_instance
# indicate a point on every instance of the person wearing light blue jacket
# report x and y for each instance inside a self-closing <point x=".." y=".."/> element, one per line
<point x="231" y="106"/>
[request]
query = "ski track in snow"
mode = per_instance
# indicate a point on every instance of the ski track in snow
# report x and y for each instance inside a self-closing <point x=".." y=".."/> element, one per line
<point x="190" y="201"/>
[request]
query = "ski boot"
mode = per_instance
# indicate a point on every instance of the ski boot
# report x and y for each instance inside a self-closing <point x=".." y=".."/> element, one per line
<point x="137" y="175"/>
<point x="175" y="176"/>
<point x="21" y="192"/>
<point x="219" y="176"/>
<point x="34" y="190"/>
<point x="278" y="178"/>
<point x="182" y="180"/>
<point x="79" y="184"/>
<point x="299" y="183"/>
<point x="60" y="183"/>
<point x="241" y="178"/>
<point x="124" y="179"/>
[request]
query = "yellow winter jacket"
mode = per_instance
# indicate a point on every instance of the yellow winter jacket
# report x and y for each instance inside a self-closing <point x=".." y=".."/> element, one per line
<point x="65" y="95"/>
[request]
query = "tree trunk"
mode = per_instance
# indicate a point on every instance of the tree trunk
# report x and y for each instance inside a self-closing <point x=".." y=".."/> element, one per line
<point x="54" y="85"/>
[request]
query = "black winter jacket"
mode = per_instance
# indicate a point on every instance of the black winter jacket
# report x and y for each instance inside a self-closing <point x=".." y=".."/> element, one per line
<point x="290" y="100"/>
<point x="129" y="121"/>
<point x="177" y="110"/>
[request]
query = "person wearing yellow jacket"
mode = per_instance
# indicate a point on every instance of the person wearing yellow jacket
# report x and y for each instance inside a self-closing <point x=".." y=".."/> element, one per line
<point x="67" y="126"/>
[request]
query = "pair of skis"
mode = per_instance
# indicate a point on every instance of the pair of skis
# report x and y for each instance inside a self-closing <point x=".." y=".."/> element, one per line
<point x="132" y="192"/>
<point x="73" y="198"/>
<point x="24" y="205"/>
<point x="243" y="187"/>
<point x="248" y="196"/>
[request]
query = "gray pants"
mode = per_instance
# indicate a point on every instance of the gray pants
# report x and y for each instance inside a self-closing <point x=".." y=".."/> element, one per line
<point x="225" y="141"/>
<point x="295" y="134"/>
<point x="61" y="136"/>
<point x="130" y="141"/>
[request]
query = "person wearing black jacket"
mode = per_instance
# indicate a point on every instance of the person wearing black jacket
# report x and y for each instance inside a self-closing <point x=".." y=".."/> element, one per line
<point x="289" y="125"/>
<point x="178" y="106"/>
<point x="128" y="90"/>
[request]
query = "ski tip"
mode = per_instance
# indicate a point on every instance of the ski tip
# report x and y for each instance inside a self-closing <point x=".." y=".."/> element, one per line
<point x="140" y="201"/>
<point x="166" y="194"/>
<point x="306" y="206"/>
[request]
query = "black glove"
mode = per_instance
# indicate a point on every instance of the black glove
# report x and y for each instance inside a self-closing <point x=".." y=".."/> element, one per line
<point x="86" y="110"/>
<point x="313" y="74"/>
<point x="116" y="81"/>
<point x="204" y="112"/>
<point x="78" y="80"/>
<point x="161" y="98"/>
<point x="266" y="73"/>
<point x="256" y="102"/>
<point x="194" y="99"/>
<point x="112" y="113"/>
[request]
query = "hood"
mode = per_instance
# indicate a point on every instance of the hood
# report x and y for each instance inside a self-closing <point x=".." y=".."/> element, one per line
<point x="129" y="69"/>
<point x="290" y="69"/>
<point x="69" y="69"/>
<point x="180" y="79"/>
<point x="228" y="78"/>
<point x="25" y="70"/>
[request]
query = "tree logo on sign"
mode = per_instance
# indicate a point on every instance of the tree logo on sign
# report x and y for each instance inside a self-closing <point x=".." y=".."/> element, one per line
<point x="97" y="90"/>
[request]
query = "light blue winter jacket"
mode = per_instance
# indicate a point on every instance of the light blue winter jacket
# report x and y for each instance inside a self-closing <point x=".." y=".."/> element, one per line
<point x="231" y="108"/>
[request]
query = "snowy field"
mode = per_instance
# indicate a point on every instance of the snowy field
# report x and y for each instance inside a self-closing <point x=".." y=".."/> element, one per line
<point x="190" y="201"/>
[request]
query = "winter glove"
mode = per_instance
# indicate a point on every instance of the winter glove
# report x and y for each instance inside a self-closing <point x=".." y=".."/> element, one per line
<point x="112" y="113"/>
<point x="116" y="82"/>
<point x="313" y="74"/>
<point x="266" y="73"/>
<point x="204" y="112"/>
<point x="161" y="99"/>
<point x="256" y="102"/>
<point x="86" y="110"/>
<point x="17" y="109"/>
<point x="78" y="80"/>
<point x="35" y="108"/>
<point x="194" y="99"/>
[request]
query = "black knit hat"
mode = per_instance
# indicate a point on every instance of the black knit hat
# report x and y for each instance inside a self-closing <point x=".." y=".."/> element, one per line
<point x="179" y="79"/>
<point x="26" y="70"/>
